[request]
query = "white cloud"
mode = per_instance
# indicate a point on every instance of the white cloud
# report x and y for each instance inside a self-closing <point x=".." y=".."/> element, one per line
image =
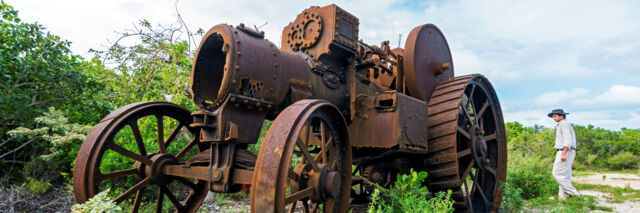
<point x="613" y="109"/>
<point x="617" y="96"/>
<point x="609" y="119"/>
<point x="562" y="97"/>
<point x="514" y="43"/>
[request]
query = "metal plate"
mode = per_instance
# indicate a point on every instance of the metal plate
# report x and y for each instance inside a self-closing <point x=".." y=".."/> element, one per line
<point x="426" y="53"/>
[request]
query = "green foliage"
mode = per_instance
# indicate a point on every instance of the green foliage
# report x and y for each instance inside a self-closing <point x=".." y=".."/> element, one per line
<point x="157" y="67"/>
<point x="511" y="198"/>
<point x="597" y="148"/>
<point x="37" y="71"/>
<point x="100" y="203"/>
<point x="623" y="160"/>
<point x="532" y="175"/>
<point x="36" y="186"/>
<point x="60" y="138"/>
<point x="409" y="195"/>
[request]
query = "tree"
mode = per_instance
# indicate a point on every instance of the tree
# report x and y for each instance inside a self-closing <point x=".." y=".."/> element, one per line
<point x="37" y="71"/>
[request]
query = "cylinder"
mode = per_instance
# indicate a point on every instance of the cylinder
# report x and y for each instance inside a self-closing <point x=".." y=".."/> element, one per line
<point x="239" y="60"/>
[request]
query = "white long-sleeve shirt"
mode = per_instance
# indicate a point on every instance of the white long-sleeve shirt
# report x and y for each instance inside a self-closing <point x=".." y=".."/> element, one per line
<point x="565" y="136"/>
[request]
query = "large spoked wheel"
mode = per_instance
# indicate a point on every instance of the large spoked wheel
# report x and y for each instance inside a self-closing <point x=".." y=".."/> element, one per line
<point x="304" y="164"/>
<point x="126" y="152"/>
<point x="467" y="143"/>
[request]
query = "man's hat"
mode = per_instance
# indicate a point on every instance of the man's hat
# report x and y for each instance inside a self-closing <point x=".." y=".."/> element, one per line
<point x="557" y="111"/>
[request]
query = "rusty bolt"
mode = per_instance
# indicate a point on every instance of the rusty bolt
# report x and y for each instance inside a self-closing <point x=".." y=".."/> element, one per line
<point x="445" y="66"/>
<point x="216" y="176"/>
<point x="487" y="161"/>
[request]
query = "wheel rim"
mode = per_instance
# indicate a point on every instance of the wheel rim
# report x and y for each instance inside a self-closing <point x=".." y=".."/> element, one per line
<point x="120" y="137"/>
<point x="284" y="182"/>
<point x="467" y="143"/>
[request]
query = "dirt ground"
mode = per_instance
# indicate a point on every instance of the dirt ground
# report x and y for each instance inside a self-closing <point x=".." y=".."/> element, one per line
<point x="617" y="180"/>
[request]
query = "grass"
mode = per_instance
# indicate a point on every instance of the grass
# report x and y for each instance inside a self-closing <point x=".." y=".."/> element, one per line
<point x="593" y="172"/>
<point x="572" y="204"/>
<point x="617" y="194"/>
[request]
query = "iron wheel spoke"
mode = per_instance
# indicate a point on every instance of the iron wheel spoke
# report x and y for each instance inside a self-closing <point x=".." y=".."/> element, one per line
<point x="464" y="153"/>
<point x="119" y="149"/>
<point x="484" y="107"/>
<point x="491" y="170"/>
<point x="324" y="156"/>
<point x="481" y="191"/>
<point x="325" y="147"/>
<point x="137" y="201"/>
<point x="292" y="175"/>
<point x="173" y="135"/>
<point x="305" y="151"/>
<point x="172" y="198"/>
<point x="118" y="174"/>
<point x="298" y="195"/>
<point x="160" y="200"/>
<point x="490" y="137"/>
<point x="136" y="134"/>
<point x="185" y="149"/>
<point x="160" y="126"/>
<point x="467" y="171"/>
<point x="293" y="207"/>
<point x="464" y="132"/>
<point x="140" y="185"/>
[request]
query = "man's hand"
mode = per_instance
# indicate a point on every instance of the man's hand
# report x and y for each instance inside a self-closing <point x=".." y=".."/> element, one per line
<point x="564" y="158"/>
<point x="564" y="154"/>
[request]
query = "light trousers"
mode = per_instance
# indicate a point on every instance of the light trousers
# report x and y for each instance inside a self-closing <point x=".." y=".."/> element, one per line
<point x="562" y="174"/>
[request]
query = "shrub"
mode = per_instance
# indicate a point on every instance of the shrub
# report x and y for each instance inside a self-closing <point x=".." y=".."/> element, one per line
<point x="511" y="198"/>
<point x="36" y="186"/>
<point x="531" y="174"/>
<point x="101" y="203"/>
<point x="623" y="160"/>
<point x="409" y="195"/>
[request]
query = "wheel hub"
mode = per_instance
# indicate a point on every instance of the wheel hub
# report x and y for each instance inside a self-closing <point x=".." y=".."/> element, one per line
<point x="155" y="170"/>
<point x="326" y="183"/>
<point x="479" y="146"/>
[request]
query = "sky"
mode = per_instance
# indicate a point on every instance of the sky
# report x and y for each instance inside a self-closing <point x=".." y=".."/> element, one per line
<point x="581" y="56"/>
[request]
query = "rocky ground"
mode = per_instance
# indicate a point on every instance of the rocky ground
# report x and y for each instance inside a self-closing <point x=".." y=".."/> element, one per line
<point x="616" y="180"/>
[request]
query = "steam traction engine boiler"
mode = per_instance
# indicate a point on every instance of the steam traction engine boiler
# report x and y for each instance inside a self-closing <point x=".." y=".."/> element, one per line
<point x="345" y="113"/>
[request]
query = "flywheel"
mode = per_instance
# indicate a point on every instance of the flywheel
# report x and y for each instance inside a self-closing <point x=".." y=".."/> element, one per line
<point x="467" y="150"/>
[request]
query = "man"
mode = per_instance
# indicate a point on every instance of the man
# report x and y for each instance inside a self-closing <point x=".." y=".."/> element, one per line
<point x="565" y="153"/>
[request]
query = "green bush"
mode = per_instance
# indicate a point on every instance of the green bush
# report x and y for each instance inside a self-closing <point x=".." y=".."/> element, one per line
<point x="531" y="174"/>
<point x="623" y="160"/>
<point x="36" y="186"/>
<point x="511" y="198"/>
<point x="409" y="195"/>
<point x="101" y="203"/>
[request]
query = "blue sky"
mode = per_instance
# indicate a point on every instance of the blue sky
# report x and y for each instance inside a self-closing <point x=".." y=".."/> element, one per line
<point x="583" y="56"/>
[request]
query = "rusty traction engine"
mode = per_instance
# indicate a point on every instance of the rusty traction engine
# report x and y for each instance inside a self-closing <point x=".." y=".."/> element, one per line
<point x="345" y="114"/>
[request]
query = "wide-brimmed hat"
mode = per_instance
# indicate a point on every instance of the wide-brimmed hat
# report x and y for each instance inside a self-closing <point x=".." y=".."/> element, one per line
<point x="557" y="111"/>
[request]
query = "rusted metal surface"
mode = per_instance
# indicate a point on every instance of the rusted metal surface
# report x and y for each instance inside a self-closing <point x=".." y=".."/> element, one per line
<point x="322" y="176"/>
<point x="87" y="176"/>
<point x="427" y="61"/>
<point x="401" y="120"/>
<point x="396" y="109"/>
<point x="466" y="131"/>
